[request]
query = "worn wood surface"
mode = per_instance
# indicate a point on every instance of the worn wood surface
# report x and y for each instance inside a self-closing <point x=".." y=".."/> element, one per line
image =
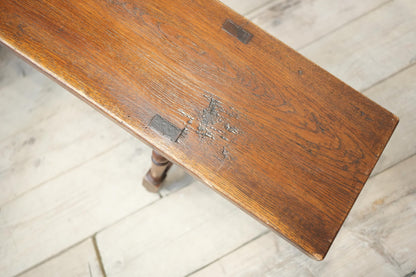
<point x="197" y="227"/>
<point x="270" y="255"/>
<point x="73" y="206"/>
<point x="268" y="129"/>
<point x="245" y="6"/>
<point x="377" y="239"/>
<point x="29" y="101"/>
<point x="374" y="41"/>
<point x="299" y="23"/>
<point x="79" y="261"/>
<point x="398" y="94"/>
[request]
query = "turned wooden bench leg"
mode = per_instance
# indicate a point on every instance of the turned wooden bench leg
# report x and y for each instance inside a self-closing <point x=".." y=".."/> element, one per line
<point x="154" y="178"/>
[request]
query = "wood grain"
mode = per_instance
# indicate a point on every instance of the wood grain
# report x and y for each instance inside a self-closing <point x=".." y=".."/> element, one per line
<point x="180" y="233"/>
<point x="379" y="41"/>
<point x="283" y="139"/>
<point x="398" y="94"/>
<point x="375" y="241"/>
<point x="79" y="261"/>
<point x="244" y="6"/>
<point x="299" y="23"/>
<point x="73" y="206"/>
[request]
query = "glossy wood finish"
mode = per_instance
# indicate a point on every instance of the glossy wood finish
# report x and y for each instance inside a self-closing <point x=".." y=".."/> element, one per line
<point x="280" y="137"/>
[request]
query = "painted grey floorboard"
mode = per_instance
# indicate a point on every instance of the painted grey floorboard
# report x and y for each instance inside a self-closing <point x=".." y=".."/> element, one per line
<point x="57" y="188"/>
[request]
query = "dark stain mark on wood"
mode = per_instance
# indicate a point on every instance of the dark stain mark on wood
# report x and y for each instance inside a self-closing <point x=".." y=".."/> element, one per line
<point x="210" y="116"/>
<point x="362" y="113"/>
<point x="165" y="128"/>
<point x="214" y="120"/>
<point x="218" y="121"/>
<point x="21" y="27"/>
<point x="221" y="124"/>
<point x="237" y="31"/>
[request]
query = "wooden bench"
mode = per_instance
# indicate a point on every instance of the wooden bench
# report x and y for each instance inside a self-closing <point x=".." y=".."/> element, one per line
<point x="254" y="120"/>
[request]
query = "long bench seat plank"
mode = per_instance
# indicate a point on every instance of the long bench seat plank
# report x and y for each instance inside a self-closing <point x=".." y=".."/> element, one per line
<point x="253" y="119"/>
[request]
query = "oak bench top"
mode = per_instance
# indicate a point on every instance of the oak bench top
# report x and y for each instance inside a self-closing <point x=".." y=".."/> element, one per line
<point x="253" y="119"/>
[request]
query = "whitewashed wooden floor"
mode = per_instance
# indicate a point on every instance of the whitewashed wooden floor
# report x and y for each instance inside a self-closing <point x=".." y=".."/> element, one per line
<point x="71" y="202"/>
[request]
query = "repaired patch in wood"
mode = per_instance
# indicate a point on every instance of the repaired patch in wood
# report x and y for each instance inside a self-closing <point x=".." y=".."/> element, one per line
<point x="166" y="128"/>
<point x="233" y="29"/>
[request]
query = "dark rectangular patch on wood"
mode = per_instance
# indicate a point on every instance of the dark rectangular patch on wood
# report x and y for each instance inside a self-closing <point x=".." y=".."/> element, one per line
<point x="166" y="128"/>
<point x="233" y="29"/>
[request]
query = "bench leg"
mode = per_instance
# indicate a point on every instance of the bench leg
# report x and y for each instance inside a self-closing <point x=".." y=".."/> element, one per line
<point x="154" y="178"/>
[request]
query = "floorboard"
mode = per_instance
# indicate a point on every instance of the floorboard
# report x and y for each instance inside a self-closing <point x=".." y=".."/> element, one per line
<point x="51" y="133"/>
<point x="371" y="48"/>
<point x="176" y="235"/>
<point x="79" y="261"/>
<point x="62" y="184"/>
<point x="73" y="206"/>
<point x="398" y="94"/>
<point x="377" y="239"/>
<point x="299" y="23"/>
<point x="244" y="6"/>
